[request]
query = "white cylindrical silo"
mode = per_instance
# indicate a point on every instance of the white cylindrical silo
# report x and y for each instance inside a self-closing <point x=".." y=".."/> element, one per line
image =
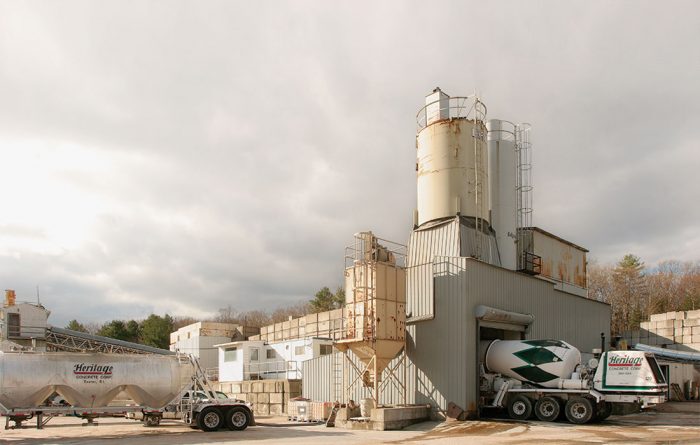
<point x="452" y="172"/>
<point x="502" y="161"/>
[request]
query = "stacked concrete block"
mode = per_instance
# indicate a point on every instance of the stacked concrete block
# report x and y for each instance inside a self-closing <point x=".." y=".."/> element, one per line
<point x="269" y="397"/>
<point x="669" y="329"/>
<point x="323" y="324"/>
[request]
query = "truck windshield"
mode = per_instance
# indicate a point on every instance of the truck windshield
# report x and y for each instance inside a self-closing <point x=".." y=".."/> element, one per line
<point x="658" y="375"/>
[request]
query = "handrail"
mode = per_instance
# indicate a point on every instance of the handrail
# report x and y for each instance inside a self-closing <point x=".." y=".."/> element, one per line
<point x="475" y="109"/>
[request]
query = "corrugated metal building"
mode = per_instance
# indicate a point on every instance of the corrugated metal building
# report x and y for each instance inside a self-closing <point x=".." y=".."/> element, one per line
<point x="444" y="347"/>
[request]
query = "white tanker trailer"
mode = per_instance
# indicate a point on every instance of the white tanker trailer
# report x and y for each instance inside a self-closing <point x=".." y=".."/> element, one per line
<point x="547" y="378"/>
<point x="89" y="384"/>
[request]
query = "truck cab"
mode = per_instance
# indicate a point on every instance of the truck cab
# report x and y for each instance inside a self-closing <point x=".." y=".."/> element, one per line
<point x="629" y="377"/>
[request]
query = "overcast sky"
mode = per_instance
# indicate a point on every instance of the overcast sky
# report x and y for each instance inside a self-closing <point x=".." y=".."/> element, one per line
<point x="180" y="157"/>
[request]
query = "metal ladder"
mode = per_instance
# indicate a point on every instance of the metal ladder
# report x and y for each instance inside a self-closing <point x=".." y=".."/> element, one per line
<point x="500" y="395"/>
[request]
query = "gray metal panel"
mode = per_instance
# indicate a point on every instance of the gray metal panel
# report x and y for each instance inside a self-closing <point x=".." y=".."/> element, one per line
<point x="476" y="244"/>
<point x="436" y="238"/>
<point x="321" y="380"/>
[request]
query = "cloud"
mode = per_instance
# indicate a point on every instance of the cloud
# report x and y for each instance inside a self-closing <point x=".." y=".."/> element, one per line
<point x="183" y="157"/>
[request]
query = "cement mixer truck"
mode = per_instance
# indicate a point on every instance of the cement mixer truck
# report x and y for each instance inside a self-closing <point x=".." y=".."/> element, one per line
<point x="546" y="378"/>
<point x="92" y="385"/>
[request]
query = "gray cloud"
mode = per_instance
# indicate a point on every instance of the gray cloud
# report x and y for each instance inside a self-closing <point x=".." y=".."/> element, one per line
<point x="181" y="157"/>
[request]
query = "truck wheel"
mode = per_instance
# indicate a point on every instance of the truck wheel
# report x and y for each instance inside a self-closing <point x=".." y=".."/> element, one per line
<point x="604" y="411"/>
<point x="519" y="407"/>
<point x="151" y="421"/>
<point x="547" y="409"/>
<point x="237" y="419"/>
<point x="579" y="410"/>
<point x="210" y="419"/>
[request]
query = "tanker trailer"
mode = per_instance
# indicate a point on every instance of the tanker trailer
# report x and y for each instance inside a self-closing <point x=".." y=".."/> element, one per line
<point x="88" y="382"/>
<point x="547" y="377"/>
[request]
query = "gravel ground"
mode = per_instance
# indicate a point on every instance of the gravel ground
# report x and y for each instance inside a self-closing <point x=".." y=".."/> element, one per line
<point x="672" y="423"/>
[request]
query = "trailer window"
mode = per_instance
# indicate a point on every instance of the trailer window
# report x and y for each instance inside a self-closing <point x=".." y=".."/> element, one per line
<point x="253" y="354"/>
<point x="271" y="354"/>
<point x="326" y="349"/>
<point x="658" y="375"/>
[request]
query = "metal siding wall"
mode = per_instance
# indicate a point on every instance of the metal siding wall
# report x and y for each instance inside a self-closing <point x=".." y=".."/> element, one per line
<point x="441" y="239"/>
<point x="318" y="381"/>
<point x="558" y="315"/>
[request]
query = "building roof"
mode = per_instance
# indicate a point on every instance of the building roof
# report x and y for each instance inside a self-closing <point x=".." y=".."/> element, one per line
<point x="551" y="235"/>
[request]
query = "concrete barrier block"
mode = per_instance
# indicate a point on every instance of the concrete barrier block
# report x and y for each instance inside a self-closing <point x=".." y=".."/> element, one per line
<point x="263" y="397"/>
<point x="262" y="408"/>
<point x="276" y="397"/>
<point x="246" y="387"/>
<point x="657" y="317"/>
<point x="236" y="388"/>
<point x="693" y="314"/>
<point x="276" y="409"/>
<point x="691" y="322"/>
<point x="666" y="332"/>
<point x="292" y="386"/>
<point x="269" y="387"/>
<point x="695" y="330"/>
<point x="251" y="397"/>
<point x="258" y="387"/>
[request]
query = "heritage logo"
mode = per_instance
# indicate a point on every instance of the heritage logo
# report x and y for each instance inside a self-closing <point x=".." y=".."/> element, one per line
<point x="624" y="361"/>
<point x="92" y="370"/>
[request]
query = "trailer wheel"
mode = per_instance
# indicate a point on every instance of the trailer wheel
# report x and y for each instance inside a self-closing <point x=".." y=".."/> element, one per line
<point x="519" y="407"/>
<point x="547" y="409"/>
<point x="579" y="410"/>
<point x="210" y="419"/>
<point x="151" y="420"/>
<point x="237" y="418"/>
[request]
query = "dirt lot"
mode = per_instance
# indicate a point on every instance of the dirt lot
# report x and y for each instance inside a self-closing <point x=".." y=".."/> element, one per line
<point x="672" y="423"/>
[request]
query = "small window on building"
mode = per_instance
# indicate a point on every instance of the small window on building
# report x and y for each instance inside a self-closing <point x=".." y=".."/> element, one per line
<point x="271" y="354"/>
<point x="178" y="338"/>
<point x="13" y="325"/>
<point x="326" y="349"/>
<point x="230" y="354"/>
<point x="188" y="334"/>
<point x="299" y="350"/>
<point x="253" y="354"/>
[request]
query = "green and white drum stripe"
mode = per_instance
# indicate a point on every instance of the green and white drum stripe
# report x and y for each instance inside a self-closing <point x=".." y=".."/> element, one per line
<point x="543" y="362"/>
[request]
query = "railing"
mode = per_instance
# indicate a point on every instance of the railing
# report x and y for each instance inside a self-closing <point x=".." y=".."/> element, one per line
<point x="280" y="369"/>
<point x="469" y="107"/>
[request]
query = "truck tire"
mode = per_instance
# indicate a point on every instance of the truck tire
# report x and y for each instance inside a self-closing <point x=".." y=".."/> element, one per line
<point x="237" y="418"/>
<point x="151" y="421"/>
<point x="210" y="419"/>
<point x="603" y="412"/>
<point x="519" y="407"/>
<point x="579" y="410"/>
<point x="547" y="409"/>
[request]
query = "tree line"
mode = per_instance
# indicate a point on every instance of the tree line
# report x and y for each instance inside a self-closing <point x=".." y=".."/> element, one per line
<point x="155" y="330"/>
<point x="634" y="292"/>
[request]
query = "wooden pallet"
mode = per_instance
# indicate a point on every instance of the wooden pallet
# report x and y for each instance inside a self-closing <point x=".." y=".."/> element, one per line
<point x="676" y="392"/>
<point x="331" y="417"/>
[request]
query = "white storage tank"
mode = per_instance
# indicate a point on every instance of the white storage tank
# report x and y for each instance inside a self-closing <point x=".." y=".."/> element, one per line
<point x="542" y="362"/>
<point x="91" y="380"/>
<point x="452" y="172"/>
<point x="503" y="188"/>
